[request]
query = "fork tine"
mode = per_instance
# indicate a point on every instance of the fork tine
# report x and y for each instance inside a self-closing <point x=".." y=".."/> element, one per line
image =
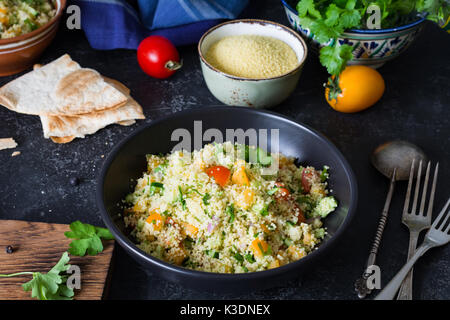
<point x="416" y="191"/>
<point x="425" y="189"/>
<point x="408" y="191"/>
<point x="441" y="214"/>
<point x="444" y="222"/>
<point x="433" y="189"/>
<point x="448" y="227"/>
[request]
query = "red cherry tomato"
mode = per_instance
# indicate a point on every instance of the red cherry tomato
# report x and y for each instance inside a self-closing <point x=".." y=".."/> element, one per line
<point x="158" y="57"/>
<point x="220" y="174"/>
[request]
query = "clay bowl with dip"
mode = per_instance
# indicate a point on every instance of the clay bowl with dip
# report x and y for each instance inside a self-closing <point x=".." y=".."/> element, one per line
<point x="257" y="92"/>
<point x="19" y="53"/>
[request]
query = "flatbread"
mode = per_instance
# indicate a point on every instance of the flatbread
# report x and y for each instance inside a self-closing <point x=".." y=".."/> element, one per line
<point x="70" y="138"/>
<point x="7" y="143"/>
<point x="61" y="87"/>
<point x="81" y="125"/>
<point x="62" y="139"/>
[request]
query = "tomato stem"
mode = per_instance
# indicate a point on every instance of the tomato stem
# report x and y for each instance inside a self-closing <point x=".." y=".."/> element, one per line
<point x="333" y="86"/>
<point x="173" y="65"/>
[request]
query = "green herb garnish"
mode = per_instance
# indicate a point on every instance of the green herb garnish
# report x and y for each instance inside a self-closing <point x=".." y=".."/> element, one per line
<point x="238" y="257"/>
<point x="250" y="257"/>
<point x="161" y="168"/>
<point x="156" y="187"/>
<point x="48" y="286"/>
<point x="206" y="198"/>
<point x="328" y="19"/>
<point x="324" y="174"/>
<point x="230" y="212"/>
<point x="87" y="238"/>
<point x="31" y="24"/>
<point x="181" y="198"/>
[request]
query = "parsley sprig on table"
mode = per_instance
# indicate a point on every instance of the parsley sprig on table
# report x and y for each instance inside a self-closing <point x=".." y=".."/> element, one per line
<point x="87" y="238"/>
<point x="50" y="285"/>
<point x="328" y="19"/>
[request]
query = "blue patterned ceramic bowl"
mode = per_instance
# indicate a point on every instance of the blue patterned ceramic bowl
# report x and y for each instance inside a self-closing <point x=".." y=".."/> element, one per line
<point x="370" y="47"/>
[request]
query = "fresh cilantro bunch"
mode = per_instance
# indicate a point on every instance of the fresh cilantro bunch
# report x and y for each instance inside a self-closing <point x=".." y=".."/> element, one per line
<point x="87" y="238"/>
<point x="328" y="19"/>
<point x="51" y="285"/>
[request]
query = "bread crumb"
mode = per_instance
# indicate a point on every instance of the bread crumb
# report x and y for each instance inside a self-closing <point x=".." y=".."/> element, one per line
<point x="15" y="153"/>
<point x="7" y="143"/>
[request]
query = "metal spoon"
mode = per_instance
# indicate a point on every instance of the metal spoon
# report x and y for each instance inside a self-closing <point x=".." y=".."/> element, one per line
<point x="393" y="159"/>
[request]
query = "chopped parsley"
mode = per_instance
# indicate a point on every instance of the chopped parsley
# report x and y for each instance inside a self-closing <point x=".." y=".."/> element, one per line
<point x="181" y="198"/>
<point x="324" y="174"/>
<point x="230" y="212"/>
<point x="250" y="257"/>
<point x="206" y="198"/>
<point x="156" y="187"/>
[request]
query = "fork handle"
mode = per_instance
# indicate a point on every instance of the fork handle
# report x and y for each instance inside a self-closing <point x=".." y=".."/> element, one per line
<point x="388" y="293"/>
<point x="405" y="292"/>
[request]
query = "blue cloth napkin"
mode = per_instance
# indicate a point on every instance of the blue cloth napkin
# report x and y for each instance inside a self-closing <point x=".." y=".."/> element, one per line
<point x="114" y="24"/>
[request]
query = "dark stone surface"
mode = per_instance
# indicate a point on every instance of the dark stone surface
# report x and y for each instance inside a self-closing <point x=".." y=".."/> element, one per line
<point x="35" y="185"/>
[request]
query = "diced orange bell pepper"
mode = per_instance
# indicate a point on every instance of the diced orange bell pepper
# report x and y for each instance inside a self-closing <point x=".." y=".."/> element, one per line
<point x="274" y="264"/>
<point x="246" y="198"/>
<point x="190" y="229"/>
<point x="259" y="247"/>
<point x="240" y="177"/>
<point x="264" y="227"/>
<point x="156" y="220"/>
<point x="296" y="253"/>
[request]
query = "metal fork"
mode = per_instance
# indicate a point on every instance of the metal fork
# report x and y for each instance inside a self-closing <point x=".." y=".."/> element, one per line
<point x="438" y="235"/>
<point x="416" y="221"/>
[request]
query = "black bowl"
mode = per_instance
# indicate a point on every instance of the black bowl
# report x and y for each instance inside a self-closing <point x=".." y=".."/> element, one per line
<point x="127" y="162"/>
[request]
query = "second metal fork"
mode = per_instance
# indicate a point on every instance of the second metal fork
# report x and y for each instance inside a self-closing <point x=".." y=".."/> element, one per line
<point x="416" y="221"/>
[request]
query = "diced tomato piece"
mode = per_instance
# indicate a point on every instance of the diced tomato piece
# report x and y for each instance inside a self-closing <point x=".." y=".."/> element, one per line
<point x="307" y="175"/>
<point x="299" y="214"/>
<point x="282" y="192"/>
<point x="220" y="174"/>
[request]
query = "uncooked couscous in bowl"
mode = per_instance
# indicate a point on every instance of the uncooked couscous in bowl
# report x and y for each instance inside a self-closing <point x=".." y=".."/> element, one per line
<point x="252" y="56"/>
<point x="214" y="209"/>
<point x="250" y="62"/>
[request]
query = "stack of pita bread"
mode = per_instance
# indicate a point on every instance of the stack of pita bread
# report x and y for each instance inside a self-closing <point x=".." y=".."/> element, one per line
<point x="71" y="101"/>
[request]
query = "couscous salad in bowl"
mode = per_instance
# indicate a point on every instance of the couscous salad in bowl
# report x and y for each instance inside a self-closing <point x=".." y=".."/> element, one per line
<point x="212" y="210"/>
<point x="211" y="219"/>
